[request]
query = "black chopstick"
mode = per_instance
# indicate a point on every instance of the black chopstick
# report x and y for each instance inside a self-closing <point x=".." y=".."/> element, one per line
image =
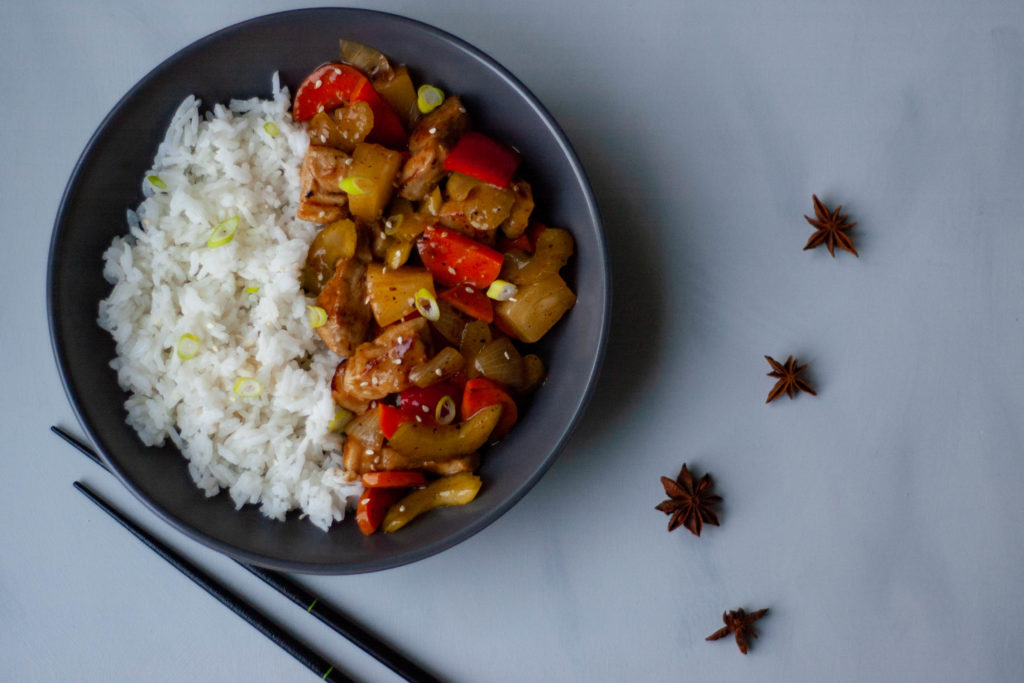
<point x="343" y="625"/>
<point x="325" y="612"/>
<point x="252" y="616"/>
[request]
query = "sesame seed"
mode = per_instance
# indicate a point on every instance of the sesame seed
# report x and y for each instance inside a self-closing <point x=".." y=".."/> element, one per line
<point x="366" y="299"/>
<point x="451" y="270"/>
<point x="337" y="71"/>
<point x="400" y="339"/>
<point x="401" y="508"/>
<point x="425" y="408"/>
<point x="438" y="372"/>
<point x="507" y="357"/>
<point x="364" y="383"/>
<point x="398" y="361"/>
<point x="469" y="290"/>
<point x="320" y="107"/>
<point x="432" y="131"/>
<point x="368" y="451"/>
<point x="318" y="83"/>
<point x="419" y="419"/>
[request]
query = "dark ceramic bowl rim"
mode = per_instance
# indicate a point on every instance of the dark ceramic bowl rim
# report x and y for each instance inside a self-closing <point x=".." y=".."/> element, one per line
<point x="405" y="557"/>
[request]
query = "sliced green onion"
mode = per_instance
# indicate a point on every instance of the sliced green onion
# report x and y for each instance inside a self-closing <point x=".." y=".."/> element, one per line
<point x="223" y="233"/>
<point x="341" y="418"/>
<point x="317" y="316"/>
<point x="502" y="290"/>
<point x="356" y="185"/>
<point x="426" y="304"/>
<point x="444" y="412"/>
<point x="251" y="290"/>
<point x="271" y="129"/>
<point x="188" y="346"/>
<point x="247" y="387"/>
<point x="392" y="224"/>
<point x="157" y="182"/>
<point x="429" y="98"/>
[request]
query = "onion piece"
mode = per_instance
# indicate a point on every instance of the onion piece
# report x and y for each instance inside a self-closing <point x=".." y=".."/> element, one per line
<point x="500" y="360"/>
<point x="366" y="430"/>
<point x="446" y="363"/>
<point x="370" y="61"/>
<point x="450" y="324"/>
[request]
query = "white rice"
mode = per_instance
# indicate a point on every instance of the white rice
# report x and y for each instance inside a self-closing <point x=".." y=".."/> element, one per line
<point x="275" y="450"/>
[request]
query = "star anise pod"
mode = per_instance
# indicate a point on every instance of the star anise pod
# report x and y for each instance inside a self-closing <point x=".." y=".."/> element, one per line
<point x="790" y="381"/>
<point x="830" y="227"/>
<point x="742" y="624"/>
<point x="689" y="501"/>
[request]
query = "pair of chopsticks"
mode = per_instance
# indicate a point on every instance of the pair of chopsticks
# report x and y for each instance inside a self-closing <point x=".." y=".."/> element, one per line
<point x="323" y="611"/>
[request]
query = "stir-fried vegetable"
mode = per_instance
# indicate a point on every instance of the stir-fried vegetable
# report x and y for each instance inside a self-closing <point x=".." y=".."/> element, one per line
<point x="457" y="489"/>
<point x="422" y="443"/>
<point x="483" y="158"/>
<point x="482" y="393"/>
<point x="427" y="316"/>
<point x="470" y="301"/>
<point x="373" y="506"/>
<point x="454" y="259"/>
<point x="333" y="85"/>
<point x="394" y="480"/>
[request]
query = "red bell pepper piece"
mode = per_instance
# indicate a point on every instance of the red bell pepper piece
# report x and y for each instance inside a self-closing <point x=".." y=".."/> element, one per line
<point x="470" y="301"/>
<point x="483" y="158"/>
<point x="454" y="259"/>
<point x="333" y="85"/>
<point x="397" y="479"/>
<point x="414" y="400"/>
<point x="391" y="418"/>
<point x="373" y="506"/>
<point x="482" y="392"/>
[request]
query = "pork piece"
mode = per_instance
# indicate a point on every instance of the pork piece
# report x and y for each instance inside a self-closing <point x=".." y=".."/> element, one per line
<point x="341" y="396"/>
<point x="382" y="367"/>
<point x="359" y="458"/>
<point x="322" y="201"/>
<point x="348" y="313"/>
<point x="431" y="139"/>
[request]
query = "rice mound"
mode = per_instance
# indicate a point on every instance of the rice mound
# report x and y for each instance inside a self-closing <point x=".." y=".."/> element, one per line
<point x="275" y="450"/>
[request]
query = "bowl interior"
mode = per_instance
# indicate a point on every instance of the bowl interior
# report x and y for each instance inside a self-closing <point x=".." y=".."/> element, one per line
<point x="238" y="62"/>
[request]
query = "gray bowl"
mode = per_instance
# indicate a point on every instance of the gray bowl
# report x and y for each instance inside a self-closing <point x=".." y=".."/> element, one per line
<point x="238" y="62"/>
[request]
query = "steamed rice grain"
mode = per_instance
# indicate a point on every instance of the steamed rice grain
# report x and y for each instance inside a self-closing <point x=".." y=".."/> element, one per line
<point x="242" y="300"/>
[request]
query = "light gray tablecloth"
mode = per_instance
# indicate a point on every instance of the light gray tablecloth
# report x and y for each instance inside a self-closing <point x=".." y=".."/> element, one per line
<point x="880" y="521"/>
